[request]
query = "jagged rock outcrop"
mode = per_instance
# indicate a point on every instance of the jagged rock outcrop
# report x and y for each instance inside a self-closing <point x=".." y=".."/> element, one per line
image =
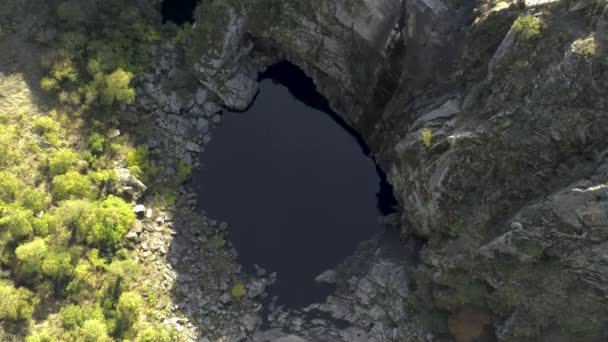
<point x="509" y="193"/>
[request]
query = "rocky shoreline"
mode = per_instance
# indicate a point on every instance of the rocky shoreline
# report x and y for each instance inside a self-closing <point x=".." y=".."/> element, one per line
<point x="190" y="266"/>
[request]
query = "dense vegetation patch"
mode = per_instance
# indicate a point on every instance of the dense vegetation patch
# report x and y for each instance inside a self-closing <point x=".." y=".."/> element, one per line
<point x="101" y="45"/>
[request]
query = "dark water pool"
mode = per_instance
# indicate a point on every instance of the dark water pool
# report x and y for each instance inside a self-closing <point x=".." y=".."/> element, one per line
<point x="297" y="189"/>
<point x="178" y="11"/>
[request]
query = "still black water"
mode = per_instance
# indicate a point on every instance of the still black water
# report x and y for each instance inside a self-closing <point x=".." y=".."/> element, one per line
<point x="297" y="189"/>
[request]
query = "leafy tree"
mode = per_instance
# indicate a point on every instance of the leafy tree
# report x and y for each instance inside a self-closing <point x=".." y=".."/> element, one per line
<point x="46" y="224"/>
<point x="128" y="308"/>
<point x="57" y="264"/>
<point x="15" y="303"/>
<point x="64" y="70"/>
<point x="71" y="316"/>
<point x="93" y="330"/>
<point x="16" y="222"/>
<point x="9" y="186"/>
<point x="96" y="142"/>
<point x="116" y="88"/>
<point x="42" y="336"/>
<point x="35" y="199"/>
<point x="62" y="161"/>
<point x="31" y="254"/>
<point x="106" y="224"/>
<point x="73" y="185"/>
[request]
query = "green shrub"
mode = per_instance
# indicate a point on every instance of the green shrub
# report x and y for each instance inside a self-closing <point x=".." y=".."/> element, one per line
<point x="218" y="241"/>
<point x="71" y="316"/>
<point x="64" y="70"/>
<point x="35" y="199"/>
<point x="128" y="309"/>
<point x="586" y="47"/>
<point x="106" y="224"/>
<point x="426" y="137"/>
<point x="93" y="330"/>
<point x="31" y="254"/>
<point x="73" y="213"/>
<point x="238" y="291"/>
<point x="46" y="224"/>
<point x="158" y="333"/>
<point x="47" y="127"/>
<point x="8" y="153"/>
<point x="49" y="84"/>
<point x="17" y="222"/>
<point x="15" y="303"/>
<point x="128" y="269"/>
<point x="528" y="27"/>
<point x="42" y="336"/>
<point x="73" y="185"/>
<point x="139" y="165"/>
<point x="116" y="88"/>
<point x="96" y="143"/>
<point x="9" y="186"/>
<point x="57" y="264"/>
<point x="183" y="171"/>
<point x="62" y="161"/>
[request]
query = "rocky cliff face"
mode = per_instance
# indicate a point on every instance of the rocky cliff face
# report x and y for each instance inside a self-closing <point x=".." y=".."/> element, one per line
<point x="508" y="190"/>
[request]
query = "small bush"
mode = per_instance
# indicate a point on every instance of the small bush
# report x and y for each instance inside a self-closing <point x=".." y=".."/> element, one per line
<point x="128" y="309"/>
<point x="49" y="84"/>
<point x="17" y="221"/>
<point x="15" y="303"/>
<point x="426" y="137"/>
<point x="96" y="143"/>
<point x="528" y="27"/>
<point x="46" y="224"/>
<point x="57" y="264"/>
<point x="116" y="88"/>
<point x="71" y="316"/>
<point x="62" y="161"/>
<point x="64" y="70"/>
<point x="73" y="185"/>
<point x="183" y="171"/>
<point x="42" y="336"/>
<point x="158" y="333"/>
<point x="9" y="186"/>
<point x="106" y="224"/>
<point x="139" y="165"/>
<point x="31" y="254"/>
<point x="35" y="199"/>
<point x="586" y="47"/>
<point x="47" y="127"/>
<point x="93" y="330"/>
<point x="238" y="291"/>
<point x="8" y="153"/>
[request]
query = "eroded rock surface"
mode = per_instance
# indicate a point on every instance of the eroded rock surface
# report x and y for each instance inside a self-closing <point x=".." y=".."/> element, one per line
<point x="508" y="192"/>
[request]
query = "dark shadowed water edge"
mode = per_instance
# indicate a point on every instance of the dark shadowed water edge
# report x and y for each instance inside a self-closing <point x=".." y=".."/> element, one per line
<point x="295" y="185"/>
